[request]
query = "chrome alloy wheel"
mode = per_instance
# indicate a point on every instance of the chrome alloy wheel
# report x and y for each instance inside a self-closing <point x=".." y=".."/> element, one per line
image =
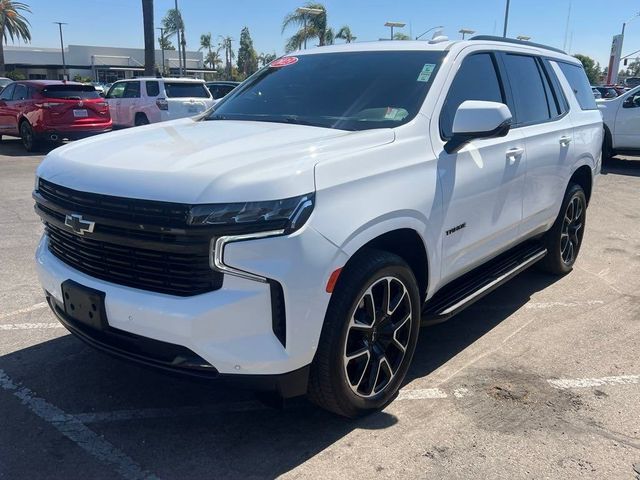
<point x="377" y="337"/>
<point x="572" y="230"/>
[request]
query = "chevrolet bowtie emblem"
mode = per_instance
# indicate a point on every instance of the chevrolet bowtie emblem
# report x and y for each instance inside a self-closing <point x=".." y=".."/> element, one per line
<point x="79" y="224"/>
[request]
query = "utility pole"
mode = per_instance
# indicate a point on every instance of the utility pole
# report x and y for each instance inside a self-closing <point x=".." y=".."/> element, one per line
<point x="566" y="29"/>
<point x="506" y="19"/>
<point x="179" y="33"/>
<point x="65" y="74"/>
<point x="162" y="48"/>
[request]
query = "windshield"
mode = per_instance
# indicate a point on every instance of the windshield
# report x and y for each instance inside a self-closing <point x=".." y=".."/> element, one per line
<point x="71" y="92"/>
<point x="347" y="91"/>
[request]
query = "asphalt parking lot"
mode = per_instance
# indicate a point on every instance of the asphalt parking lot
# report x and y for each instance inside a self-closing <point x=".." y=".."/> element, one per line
<point x="541" y="379"/>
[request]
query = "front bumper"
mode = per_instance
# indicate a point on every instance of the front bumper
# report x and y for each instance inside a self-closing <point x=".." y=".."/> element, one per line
<point x="230" y="329"/>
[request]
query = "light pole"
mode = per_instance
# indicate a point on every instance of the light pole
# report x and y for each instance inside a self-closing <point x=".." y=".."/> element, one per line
<point x="506" y="19"/>
<point x="65" y="74"/>
<point x="612" y="74"/>
<point x="430" y="30"/>
<point x="306" y="11"/>
<point x="180" y="33"/>
<point x="394" y="24"/>
<point x="466" y="31"/>
<point x="162" y="47"/>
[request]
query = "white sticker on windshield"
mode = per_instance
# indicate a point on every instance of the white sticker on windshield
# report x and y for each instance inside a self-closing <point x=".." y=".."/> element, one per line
<point x="426" y="72"/>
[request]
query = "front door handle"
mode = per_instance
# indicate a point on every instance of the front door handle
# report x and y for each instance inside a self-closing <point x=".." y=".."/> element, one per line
<point x="565" y="141"/>
<point x="513" y="154"/>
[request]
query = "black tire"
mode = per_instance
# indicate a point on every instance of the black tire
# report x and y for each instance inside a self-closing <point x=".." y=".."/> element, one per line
<point x="384" y="340"/>
<point x="30" y="141"/>
<point x="141" y="119"/>
<point x="564" y="239"/>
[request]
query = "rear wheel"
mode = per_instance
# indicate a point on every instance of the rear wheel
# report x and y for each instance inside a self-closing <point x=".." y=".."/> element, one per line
<point x="141" y="119"/>
<point x="369" y="337"/>
<point x="564" y="239"/>
<point x="29" y="139"/>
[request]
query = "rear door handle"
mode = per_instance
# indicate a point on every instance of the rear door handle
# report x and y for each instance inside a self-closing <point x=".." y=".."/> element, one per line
<point x="565" y="141"/>
<point x="514" y="154"/>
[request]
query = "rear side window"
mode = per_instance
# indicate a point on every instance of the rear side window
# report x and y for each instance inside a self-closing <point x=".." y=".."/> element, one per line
<point x="131" y="90"/>
<point x="477" y="79"/>
<point x="186" y="90"/>
<point x="71" y="92"/>
<point x="153" y="88"/>
<point x="579" y="84"/>
<point x="529" y="89"/>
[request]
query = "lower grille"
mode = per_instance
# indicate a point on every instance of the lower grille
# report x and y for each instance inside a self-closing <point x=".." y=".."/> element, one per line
<point x="181" y="274"/>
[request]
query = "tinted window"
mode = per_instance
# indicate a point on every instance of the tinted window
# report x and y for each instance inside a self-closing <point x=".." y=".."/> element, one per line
<point x="153" y="88"/>
<point x="20" y="92"/>
<point x="72" y="92"/>
<point x="131" y="90"/>
<point x="579" y="84"/>
<point x="529" y="94"/>
<point x="186" y="90"/>
<point x="477" y="79"/>
<point x="7" y="93"/>
<point x="562" y="106"/>
<point x="348" y="91"/>
<point x="116" y="91"/>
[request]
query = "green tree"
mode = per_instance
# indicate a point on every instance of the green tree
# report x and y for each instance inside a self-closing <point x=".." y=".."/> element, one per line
<point x="247" y="56"/>
<point x="174" y="25"/>
<point x="149" y="43"/>
<point x="165" y="43"/>
<point x="591" y="68"/>
<point x="266" y="58"/>
<point x="13" y="25"/>
<point x="633" y="69"/>
<point x="310" y="26"/>
<point x="401" y="36"/>
<point x="345" y="34"/>
<point x="226" y="45"/>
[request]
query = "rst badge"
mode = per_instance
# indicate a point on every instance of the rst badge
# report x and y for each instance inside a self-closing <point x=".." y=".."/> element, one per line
<point x="79" y="224"/>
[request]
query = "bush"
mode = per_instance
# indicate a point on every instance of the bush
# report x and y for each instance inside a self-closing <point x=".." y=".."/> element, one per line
<point x="16" y="75"/>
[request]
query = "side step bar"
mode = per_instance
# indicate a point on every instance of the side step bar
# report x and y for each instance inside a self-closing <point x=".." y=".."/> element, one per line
<point x="470" y="288"/>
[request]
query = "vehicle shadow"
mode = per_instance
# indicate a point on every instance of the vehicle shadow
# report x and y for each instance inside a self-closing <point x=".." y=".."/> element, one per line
<point x="208" y="442"/>
<point x="12" y="147"/>
<point x="621" y="166"/>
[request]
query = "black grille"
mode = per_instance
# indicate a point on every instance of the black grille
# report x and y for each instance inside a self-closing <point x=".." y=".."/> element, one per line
<point x="125" y="247"/>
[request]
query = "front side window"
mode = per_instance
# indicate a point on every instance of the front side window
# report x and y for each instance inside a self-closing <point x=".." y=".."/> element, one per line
<point x="20" y="93"/>
<point x="7" y="93"/>
<point x="346" y="91"/>
<point x="529" y="95"/>
<point x="116" y="90"/>
<point x="579" y="82"/>
<point x="477" y="79"/>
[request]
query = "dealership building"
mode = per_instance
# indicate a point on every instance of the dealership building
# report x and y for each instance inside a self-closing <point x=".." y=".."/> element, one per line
<point x="101" y="64"/>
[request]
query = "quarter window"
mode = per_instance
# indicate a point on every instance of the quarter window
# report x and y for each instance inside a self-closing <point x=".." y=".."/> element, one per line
<point x="530" y="92"/>
<point x="477" y="79"/>
<point x="579" y="84"/>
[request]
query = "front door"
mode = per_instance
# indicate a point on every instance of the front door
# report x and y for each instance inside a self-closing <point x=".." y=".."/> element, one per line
<point x="113" y="98"/>
<point x="129" y="103"/>
<point x="481" y="184"/>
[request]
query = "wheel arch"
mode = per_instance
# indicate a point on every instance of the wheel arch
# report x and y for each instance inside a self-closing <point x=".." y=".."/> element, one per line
<point x="583" y="176"/>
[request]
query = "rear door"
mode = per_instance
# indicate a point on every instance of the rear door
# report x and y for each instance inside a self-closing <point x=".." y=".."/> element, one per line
<point x="7" y="110"/>
<point x="187" y="99"/>
<point x="541" y="115"/>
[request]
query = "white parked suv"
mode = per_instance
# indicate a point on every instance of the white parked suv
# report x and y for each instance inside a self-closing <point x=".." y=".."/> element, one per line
<point x="142" y="101"/>
<point x="298" y="235"/>
<point x="621" y="117"/>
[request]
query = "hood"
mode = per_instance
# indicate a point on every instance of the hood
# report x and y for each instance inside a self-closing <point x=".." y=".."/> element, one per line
<point x="189" y="161"/>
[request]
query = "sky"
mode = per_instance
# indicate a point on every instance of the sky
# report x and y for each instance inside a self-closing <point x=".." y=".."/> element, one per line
<point x="118" y="23"/>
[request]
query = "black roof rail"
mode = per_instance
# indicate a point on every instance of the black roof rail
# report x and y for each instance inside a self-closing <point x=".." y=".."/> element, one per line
<point x="492" y="38"/>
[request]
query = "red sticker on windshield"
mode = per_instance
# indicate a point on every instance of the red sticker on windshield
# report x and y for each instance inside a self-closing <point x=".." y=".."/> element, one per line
<point x="283" y="62"/>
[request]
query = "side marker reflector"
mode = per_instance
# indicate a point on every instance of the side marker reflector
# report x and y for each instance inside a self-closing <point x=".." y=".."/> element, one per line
<point x="333" y="279"/>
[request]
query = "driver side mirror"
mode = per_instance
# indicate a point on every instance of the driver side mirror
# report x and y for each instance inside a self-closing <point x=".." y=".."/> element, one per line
<point x="477" y="119"/>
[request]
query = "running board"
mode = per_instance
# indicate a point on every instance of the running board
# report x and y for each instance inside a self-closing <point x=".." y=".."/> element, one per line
<point x="471" y="287"/>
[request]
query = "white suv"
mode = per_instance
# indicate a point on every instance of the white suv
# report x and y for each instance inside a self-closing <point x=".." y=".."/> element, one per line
<point x="621" y="117"/>
<point x="150" y="100"/>
<point x="299" y="234"/>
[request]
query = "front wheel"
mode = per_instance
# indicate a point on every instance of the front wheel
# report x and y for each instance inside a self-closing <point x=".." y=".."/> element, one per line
<point x="369" y="336"/>
<point x="564" y="239"/>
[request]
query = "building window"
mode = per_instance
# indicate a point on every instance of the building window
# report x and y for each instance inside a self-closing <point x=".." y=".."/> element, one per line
<point x="37" y="76"/>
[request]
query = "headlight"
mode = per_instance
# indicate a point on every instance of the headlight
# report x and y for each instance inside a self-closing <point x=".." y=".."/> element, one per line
<point x="288" y="214"/>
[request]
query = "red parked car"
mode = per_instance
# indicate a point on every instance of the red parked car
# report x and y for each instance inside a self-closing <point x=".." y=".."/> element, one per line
<point x="40" y="110"/>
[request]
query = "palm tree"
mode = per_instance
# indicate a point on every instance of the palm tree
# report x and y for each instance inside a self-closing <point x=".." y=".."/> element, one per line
<point x="229" y="55"/>
<point x="329" y="36"/>
<point x="12" y="25"/>
<point x="174" y="25"/>
<point x="205" y="44"/>
<point x="311" y="26"/>
<point x="345" y="34"/>
<point x="266" y="58"/>
<point x="149" y="42"/>
<point x="401" y="36"/>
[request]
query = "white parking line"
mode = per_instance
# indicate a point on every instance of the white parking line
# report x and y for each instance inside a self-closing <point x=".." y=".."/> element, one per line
<point x="76" y="431"/>
<point x="30" y="326"/>
<point x="566" y="383"/>
<point x="32" y="308"/>
<point x="421" y="394"/>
